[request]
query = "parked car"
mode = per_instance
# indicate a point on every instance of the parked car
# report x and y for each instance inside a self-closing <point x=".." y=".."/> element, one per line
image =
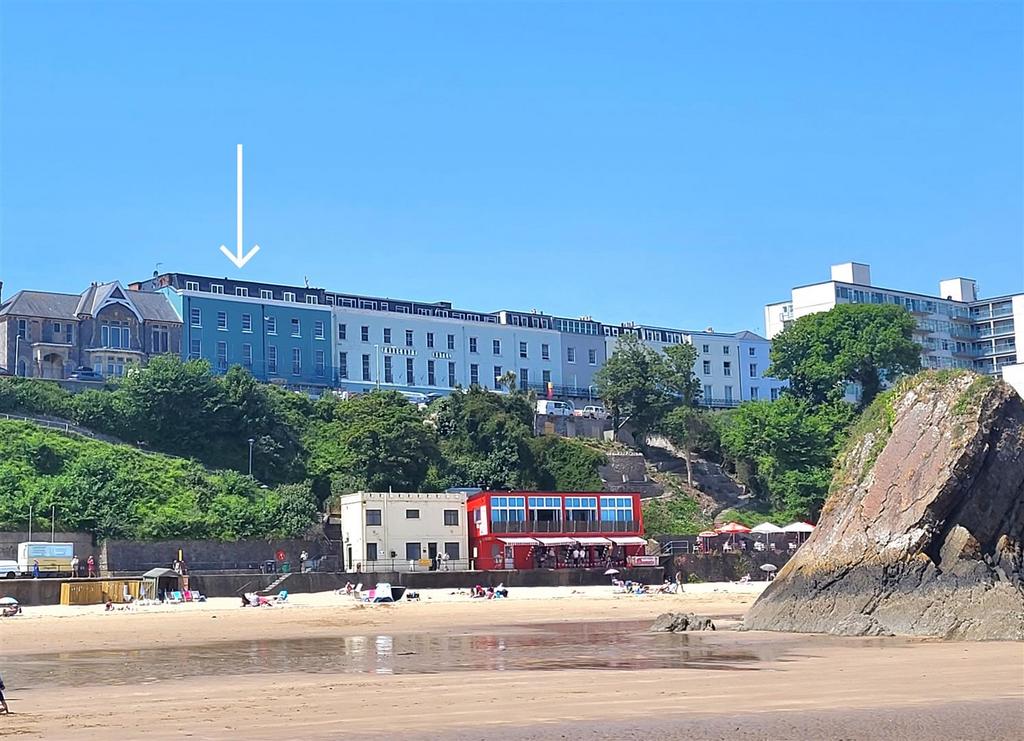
<point x="593" y="411"/>
<point x="555" y="408"/>
<point x="9" y="570"/>
<point x="85" y="373"/>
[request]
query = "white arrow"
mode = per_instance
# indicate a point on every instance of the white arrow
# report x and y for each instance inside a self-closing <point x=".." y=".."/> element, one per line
<point x="239" y="257"/>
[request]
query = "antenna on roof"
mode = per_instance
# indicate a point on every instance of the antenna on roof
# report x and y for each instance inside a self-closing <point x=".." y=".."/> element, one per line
<point x="306" y="279"/>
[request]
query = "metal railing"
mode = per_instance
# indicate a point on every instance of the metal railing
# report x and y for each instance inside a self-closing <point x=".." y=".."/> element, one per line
<point x="579" y="527"/>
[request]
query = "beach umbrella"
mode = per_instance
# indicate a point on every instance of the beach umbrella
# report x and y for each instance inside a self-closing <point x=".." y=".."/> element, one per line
<point x="769" y="567"/>
<point x="732" y="528"/>
<point x="7" y="601"/>
<point x="800" y="528"/>
<point x="707" y="534"/>
<point x="610" y="572"/>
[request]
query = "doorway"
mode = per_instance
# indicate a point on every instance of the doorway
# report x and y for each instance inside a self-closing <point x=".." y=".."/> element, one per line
<point x="432" y="555"/>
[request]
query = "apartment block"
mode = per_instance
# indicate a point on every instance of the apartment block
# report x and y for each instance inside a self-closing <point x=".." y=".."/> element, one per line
<point x="956" y="328"/>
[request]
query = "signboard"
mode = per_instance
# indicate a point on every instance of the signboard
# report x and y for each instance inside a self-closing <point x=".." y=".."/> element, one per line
<point x="643" y="560"/>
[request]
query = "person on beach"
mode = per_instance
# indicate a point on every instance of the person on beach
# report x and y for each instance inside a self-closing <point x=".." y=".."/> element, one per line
<point x="90" y="566"/>
<point x="35" y="569"/>
<point x="74" y="566"/>
<point x="3" y="701"/>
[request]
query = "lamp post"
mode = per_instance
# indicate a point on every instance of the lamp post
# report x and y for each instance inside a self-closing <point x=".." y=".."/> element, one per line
<point x="590" y="390"/>
<point x="251" y="441"/>
<point x="17" y="353"/>
<point x="53" y="523"/>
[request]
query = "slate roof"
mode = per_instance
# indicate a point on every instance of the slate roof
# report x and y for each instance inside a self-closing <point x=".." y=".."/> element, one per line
<point x="152" y="306"/>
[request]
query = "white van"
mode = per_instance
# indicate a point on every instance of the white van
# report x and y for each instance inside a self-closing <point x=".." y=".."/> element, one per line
<point x="555" y="408"/>
<point x="9" y="569"/>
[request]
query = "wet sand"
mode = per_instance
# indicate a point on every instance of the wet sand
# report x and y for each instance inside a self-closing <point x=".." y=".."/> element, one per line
<point x="559" y="665"/>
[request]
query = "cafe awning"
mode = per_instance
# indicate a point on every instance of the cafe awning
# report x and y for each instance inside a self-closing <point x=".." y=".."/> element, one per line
<point x="593" y="541"/>
<point x="518" y="541"/>
<point x="629" y="540"/>
<point x="556" y="541"/>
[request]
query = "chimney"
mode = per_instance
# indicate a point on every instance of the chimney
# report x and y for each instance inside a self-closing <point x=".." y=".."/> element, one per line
<point x="1" y="290"/>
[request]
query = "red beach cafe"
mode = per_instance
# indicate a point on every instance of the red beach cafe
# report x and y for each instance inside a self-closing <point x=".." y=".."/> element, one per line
<point x="542" y="530"/>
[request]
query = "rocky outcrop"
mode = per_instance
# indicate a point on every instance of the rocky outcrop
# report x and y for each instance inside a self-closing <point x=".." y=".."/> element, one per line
<point x="679" y="622"/>
<point x="923" y="530"/>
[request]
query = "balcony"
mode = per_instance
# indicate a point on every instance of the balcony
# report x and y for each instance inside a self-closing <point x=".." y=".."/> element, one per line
<point x="572" y="526"/>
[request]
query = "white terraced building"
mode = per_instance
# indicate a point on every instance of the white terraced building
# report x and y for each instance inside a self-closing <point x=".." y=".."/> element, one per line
<point x="956" y="329"/>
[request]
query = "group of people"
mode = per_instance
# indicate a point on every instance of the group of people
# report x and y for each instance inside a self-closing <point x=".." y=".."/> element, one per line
<point x="251" y="599"/>
<point x="90" y="567"/>
<point x="574" y="556"/>
<point x="481" y="592"/>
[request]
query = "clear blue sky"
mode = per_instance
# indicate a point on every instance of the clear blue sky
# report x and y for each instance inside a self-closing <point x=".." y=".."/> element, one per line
<point x="677" y="164"/>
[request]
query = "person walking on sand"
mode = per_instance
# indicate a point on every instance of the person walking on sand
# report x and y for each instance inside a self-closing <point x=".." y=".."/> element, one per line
<point x="90" y="566"/>
<point x="3" y="702"/>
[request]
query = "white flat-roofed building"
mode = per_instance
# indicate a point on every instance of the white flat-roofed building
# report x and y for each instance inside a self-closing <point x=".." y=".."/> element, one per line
<point x="955" y="329"/>
<point x="404" y="531"/>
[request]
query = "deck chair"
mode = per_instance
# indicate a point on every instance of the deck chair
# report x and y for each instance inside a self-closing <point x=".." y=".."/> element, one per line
<point x="358" y="592"/>
<point x="176" y="597"/>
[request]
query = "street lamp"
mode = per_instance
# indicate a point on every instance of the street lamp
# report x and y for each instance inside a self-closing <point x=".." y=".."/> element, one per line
<point x="251" y="441"/>
<point x="590" y="390"/>
<point x="17" y="353"/>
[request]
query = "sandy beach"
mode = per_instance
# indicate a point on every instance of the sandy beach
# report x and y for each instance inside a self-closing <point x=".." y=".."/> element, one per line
<point x="546" y="663"/>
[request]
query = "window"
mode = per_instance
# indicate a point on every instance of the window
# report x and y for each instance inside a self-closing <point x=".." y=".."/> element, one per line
<point x="570" y="354"/>
<point x="751" y="351"/>
<point x="508" y="509"/>
<point x="408" y="338"/>
<point x="616" y="509"/>
<point x="373" y="517"/>
<point x="195" y="348"/>
<point x="388" y="378"/>
<point x="343" y="365"/>
<point x="23" y="327"/>
<point x="753" y="370"/>
<point x="296" y="361"/>
<point x="296" y="328"/>
<point x="474" y="374"/>
<point x="115" y="335"/>
<point x="241" y="291"/>
<point x="581" y="509"/>
<point x="266" y="295"/>
<point x="726" y="368"/>
<point x="222" y="355"/>
<point x="216" y="288"/>
<point x="412" y="551"/>
<point x="709" y="393"/>
<point x="247" y="322"/>
<point x="387" y="335"/>
<point x="412" y="514"/>
<point x="191" y="285"/>
<point x="496" y="347"/>
<point x="318" y="329"/>
<point x="524" y="378"/>
<point x="247" y="356"/>
<point x="451" y="375"/>
<point x="546" y="377"/>
<point x="451" y="517"/>
<point x="56" y="328"/>
<point x="452" y="549"/>
<point x="545" y="352"/>
<point x="472" y="344"/>
<point x="289" y="296"/>
<point x="161" y="339"/>
<point x="775" y="394"/>
<point x="727" y="393"/>
<point x="222" y="320"/>
<point x="451" y="342"/>
<point x="272" y="359"/>
<point x="545" y="509"/>
<point x="707" y="367"/>
<point x="430" y="339"/>
<point x="409" y="372"/>
<point x="319" y="362"/>
<point x="497" y="377"/>
<point x="342" y="331"/>
<point x="753" y="393"/>
<point x="366" y="367"/>
<point x="431" y="380"/>
<point x="705" y="348"/>
<point x="523" y="350"/>
<point x="371" y="551"/>
<point x="310" y="299"/>
<point x="725" y="349"/>
<point x="592" y="356"/>
<point x="195" y="317"/>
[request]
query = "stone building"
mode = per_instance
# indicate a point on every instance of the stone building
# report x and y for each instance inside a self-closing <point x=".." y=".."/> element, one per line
<point x="106" y="328"/>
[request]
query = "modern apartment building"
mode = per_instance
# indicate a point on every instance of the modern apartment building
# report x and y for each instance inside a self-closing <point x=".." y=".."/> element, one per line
<point x="307" y="336"/>
<point x="956" y="329"/>
<point x="107" y="328"/>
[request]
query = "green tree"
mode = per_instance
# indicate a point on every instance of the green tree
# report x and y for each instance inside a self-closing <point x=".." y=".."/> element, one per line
<point x="566" y="465"/>
<point x="688" y="430"/>
<point x="633" y="384"/>
<point x="680" y="379"/>
<point x="865" y="344"/>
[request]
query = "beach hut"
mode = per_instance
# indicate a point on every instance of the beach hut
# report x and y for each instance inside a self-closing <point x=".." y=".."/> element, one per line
<point x="767" y="529"/>
<point x="157" y="581"/>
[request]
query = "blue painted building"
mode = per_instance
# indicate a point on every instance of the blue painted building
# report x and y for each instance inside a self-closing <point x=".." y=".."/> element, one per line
<point x="288" y="343"/>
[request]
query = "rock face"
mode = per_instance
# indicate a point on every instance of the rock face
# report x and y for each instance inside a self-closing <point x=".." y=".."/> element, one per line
<point x="679" y="622"/>
<point x="923" y="531"/>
